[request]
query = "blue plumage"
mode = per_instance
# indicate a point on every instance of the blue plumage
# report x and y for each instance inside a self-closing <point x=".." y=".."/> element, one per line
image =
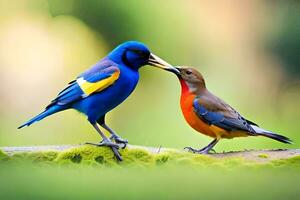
<point x="219" y="119"/>
<point x="127" y="58"/>
<point x="47" y="112"/>
<point x="74" y="92"/>
<point x="103" y="87"/>
<point x="98" y="104"/>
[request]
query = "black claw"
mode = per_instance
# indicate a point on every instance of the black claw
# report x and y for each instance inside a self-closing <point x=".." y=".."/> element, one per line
<point x="114" y="148"/>
<point x="213" y="150"/>
<point x="119" y="140"/>
<point x="117" y="154"/>
<point x="124" y="145"/>
<point x="104" y="143"/>
<point x="190" y="149"/>
<point x="200" y="151"/>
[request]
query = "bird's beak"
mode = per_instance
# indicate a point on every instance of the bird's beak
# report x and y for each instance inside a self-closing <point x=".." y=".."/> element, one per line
<point x="160" y="63"/>
<point x="178" y="69"/>
<point x="178" y="73"/>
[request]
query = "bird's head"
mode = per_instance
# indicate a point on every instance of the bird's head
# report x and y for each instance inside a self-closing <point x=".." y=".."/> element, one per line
<point x="135" y="55"/>
<point x="191" y="79"/>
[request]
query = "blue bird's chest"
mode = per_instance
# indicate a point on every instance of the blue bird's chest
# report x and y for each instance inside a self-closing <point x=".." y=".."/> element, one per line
<point x="125" y="84"/>
<point x="97" y="105"/>
<point x="119" y="90"/>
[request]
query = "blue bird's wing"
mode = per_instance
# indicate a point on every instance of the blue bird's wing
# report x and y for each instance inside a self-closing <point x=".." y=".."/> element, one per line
<point x="214" y="111"/>
<point x="92" y="81"/>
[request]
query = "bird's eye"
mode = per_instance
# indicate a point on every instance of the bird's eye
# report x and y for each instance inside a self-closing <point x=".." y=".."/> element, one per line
<point x="188" y="72"/>
<point x="139" y="52"/>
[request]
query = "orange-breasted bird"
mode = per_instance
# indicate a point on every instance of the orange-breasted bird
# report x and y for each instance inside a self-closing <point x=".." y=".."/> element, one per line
<point x="211" y="116"/>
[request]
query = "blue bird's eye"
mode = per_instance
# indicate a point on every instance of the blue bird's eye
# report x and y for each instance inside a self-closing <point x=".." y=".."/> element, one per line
<point x="139" y="52"/>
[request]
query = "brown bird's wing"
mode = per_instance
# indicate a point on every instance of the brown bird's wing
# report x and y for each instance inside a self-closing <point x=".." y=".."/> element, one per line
<point x="216" y="112"/>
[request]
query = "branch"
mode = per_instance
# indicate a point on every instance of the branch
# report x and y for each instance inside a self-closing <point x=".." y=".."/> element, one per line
<point x="260" y="156"/>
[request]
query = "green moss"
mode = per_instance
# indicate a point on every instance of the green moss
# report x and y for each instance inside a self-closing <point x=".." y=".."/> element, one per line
<point x="137" y="157"/>
<point x="162" y="159"/>
<point x="167" y="157"/>
<point x="3" y="156"/>
<point x="102" y="157"/>
<point x="289" y="162"/>
<point x="88" y="155"/>
<point x="294" y="160"/>
<point x="204" y="159"/>
<point x="263" y="155"/>
<point x="42" y="156"/>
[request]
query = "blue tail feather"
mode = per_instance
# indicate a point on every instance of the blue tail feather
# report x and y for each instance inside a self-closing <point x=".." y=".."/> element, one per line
<point x="277" y="137"/>
<point x="42" y="115"/>
<point x="271" y="135"/>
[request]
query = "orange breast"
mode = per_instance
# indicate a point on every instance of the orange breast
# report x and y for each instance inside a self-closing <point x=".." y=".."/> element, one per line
<point x="186" y="103"/>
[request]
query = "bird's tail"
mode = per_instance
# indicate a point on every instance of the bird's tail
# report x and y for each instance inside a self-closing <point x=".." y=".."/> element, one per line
<point x="271" y="135"/>
<point x="46" y="113"/>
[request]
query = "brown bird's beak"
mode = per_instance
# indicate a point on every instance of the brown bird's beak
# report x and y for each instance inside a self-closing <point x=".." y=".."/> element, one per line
<point x="160" y="63"/>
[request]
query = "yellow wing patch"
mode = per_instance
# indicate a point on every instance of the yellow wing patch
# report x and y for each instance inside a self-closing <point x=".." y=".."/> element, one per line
<point x="89" y="88"/>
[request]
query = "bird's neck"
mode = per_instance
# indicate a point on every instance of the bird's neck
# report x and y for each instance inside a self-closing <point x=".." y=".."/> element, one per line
<point x="184" y="87"/>
<point x="191" y="89"/>
<point x="186" y="97"/>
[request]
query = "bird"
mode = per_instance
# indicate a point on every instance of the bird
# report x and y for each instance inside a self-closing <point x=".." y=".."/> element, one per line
<point x="104" y="86"/>
<point x="211" y="116"/>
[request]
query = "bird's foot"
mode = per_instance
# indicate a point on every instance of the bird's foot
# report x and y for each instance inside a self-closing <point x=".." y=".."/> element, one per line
<point x="106" y="143"/>
<point x="199" y="151"/>
<point x="119" y="140"/>
<point x="213" y="150"/>
<point x="114" y="147"/>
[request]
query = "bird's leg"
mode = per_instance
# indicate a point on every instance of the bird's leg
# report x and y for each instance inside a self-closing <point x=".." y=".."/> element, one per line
<point x="115" y="136"/>
<point x="106" y="142"/>
<point x="204" y="150"/>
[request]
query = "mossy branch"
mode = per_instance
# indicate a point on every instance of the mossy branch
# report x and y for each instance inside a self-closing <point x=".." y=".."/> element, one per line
<point x="147" y="156"/>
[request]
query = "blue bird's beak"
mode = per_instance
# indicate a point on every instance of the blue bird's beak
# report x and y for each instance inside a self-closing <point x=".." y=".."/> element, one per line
<point x="160" y="63"/>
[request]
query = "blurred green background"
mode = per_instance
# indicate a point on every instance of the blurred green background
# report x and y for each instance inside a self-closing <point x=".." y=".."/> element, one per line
<point x="249" y="52"/>
<point x="158" y="183"/>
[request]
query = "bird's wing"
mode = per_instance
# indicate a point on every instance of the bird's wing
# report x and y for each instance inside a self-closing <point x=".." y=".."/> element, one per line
<point x="214" y="111"/>
<point x="87" y="84"/>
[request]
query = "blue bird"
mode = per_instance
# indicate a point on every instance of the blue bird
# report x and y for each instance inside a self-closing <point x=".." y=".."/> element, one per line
<point x="103" y="87"/>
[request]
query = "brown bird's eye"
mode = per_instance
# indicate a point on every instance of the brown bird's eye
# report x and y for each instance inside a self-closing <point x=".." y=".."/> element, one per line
<point x="188" y="72"/>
